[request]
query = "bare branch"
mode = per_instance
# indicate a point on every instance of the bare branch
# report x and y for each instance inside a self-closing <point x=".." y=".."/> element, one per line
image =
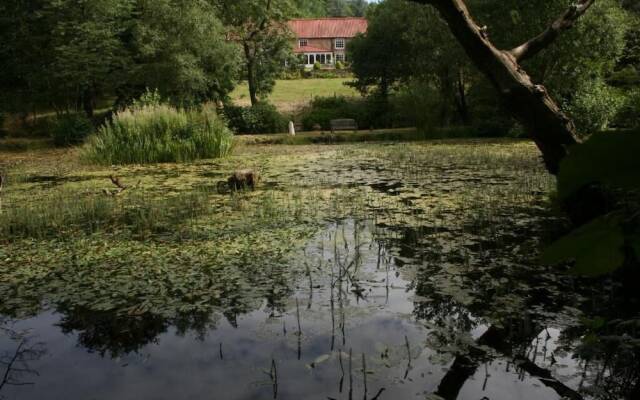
<point x="116" y="181"/>
<point x="543" y="40"/>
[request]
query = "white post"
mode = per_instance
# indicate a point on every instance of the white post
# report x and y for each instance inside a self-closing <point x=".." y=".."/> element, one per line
<point x="292" y="128"/>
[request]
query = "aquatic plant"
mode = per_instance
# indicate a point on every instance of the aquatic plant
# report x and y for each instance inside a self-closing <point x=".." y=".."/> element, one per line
<point x="158" y="134"/>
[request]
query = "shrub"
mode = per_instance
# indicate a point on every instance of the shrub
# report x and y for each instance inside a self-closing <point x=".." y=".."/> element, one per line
<point x="317" y="66"/>
<point x="629" y="114"/>
<point x="160" y="133"/>
<point x="148" y="99"/>
<point x="373" y="112"/>
<point x="339" y="65"/>
<point x="488" y="115"/>
<point x="594" y="106"/>
<point x="261" y="118"/>
<point x="71" y="129"/>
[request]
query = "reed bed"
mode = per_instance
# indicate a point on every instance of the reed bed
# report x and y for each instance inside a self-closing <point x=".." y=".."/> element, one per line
<point x="159" y="134"/>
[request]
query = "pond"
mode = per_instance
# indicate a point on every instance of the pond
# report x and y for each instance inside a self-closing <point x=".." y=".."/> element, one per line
<point x="353" y="272"/>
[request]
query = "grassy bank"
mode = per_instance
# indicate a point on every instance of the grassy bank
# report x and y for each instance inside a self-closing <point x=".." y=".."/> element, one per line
<point x="290" y="95"/>
<point x="362" y="136"/>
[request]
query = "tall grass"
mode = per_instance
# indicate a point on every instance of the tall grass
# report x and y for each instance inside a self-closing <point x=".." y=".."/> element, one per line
<point x="159" y="133"/>
<point x="66" y="213"/>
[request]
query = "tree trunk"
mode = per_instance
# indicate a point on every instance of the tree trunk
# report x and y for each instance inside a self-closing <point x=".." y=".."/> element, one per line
<point x="552" y="131"/>
<point x="461" y="99"/>
<point x="251" y="74"/>
<point x="447" y="96"/>
<point x="88" y="102"/>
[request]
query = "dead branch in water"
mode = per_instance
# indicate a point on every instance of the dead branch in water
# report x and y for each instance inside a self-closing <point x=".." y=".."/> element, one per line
<point x="120" y="186"/>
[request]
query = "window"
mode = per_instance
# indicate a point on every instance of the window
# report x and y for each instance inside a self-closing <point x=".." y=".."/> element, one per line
<point x="306" y="59"/>
<point x="340" y="57"/>
<point x="339" y="43"/>
<point x="328" y="58"/>
<point x="303" y="42"/>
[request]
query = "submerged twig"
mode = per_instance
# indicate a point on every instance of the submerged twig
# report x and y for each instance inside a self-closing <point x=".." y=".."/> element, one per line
<point x="120" y="186"/>
<point x="274" y="378"/>
<point x="364" y="374"/>
<point x="378" y="394"/>
<point x="406" y="341"/>
<point x="350" y="375"/>
<point x="299" y="333"/>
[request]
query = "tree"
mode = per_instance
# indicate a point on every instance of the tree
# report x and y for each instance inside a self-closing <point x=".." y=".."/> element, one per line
<point x="311" y="8"/>
<point x="338" y="8"/>
<point x="179" y="47"/>
<point x="67" y="55"/>
<point x="406" y="43"/>
<point x="549" y="127"/>
<point x="576" y="66"/>
<point x="62" y="54"/>
<point x="358" y="8"/>
<point x="260" y="28"/>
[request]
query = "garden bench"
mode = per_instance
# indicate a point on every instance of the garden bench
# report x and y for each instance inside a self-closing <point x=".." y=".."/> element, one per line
<point x="343" y="125"/>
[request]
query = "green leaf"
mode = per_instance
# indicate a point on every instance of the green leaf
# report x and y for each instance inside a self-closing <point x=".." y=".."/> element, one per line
<point x="610" y="159"/>
<point x="596" y="247"/>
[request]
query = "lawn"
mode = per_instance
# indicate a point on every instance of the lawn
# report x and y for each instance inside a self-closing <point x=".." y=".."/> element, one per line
<point x="289" y="95"/>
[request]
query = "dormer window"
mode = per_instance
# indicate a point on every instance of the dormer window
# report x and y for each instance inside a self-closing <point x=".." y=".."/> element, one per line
<point x="303" y="43"/>
<point x="339" y="43"/>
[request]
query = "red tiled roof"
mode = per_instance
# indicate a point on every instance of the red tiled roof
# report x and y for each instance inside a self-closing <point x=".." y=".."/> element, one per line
<point x="310" y="49"/>
<point x="328" y="27"/>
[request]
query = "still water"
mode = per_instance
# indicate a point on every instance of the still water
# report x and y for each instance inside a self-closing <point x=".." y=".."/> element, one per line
<point x="363" y="321"/>
<point x="434" y="292"/>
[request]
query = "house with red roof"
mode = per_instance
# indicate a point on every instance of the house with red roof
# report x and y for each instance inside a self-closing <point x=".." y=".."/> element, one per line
<point x="324" y="40"/>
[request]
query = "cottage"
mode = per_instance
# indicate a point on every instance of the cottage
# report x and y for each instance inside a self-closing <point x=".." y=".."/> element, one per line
<point x="324" y="40"/>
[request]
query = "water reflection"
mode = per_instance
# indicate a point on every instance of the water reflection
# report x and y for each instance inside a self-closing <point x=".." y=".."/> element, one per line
<point x="375" y="312"/>
<point x="16" y="362"/>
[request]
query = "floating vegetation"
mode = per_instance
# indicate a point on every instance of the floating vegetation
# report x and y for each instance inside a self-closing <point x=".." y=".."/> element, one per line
<point x="370" y="271"/>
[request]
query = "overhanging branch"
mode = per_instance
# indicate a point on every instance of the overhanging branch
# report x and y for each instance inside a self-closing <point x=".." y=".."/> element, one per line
<point x="543" y="40"/>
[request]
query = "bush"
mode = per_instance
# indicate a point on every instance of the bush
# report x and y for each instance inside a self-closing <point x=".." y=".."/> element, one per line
<point x="71" y="129"/>
<point x="629" y="114"/>
<point x="373" y="112"/>
<point x="339" y="65"/>
<point x="261" y="118"/>
<point x="160" y="133"/>
<point x="594" y="106"/>
<point x="317" y="66"/>
<point x="488" y="114"/>
<point x="323" y="109"/>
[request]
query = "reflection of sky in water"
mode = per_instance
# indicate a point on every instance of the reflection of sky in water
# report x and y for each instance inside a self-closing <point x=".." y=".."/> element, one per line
<point x="235" y="363"/>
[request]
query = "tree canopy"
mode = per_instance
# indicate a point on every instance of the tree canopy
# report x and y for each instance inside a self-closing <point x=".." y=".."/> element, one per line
<point x="67" y="55"/>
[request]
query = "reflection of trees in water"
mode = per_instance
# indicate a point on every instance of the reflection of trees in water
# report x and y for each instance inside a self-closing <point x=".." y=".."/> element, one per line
<point x="15" y="366"/>
<point x="607" y="343"/>
<point x="518" y="300"/>
<point x="116" y="333"/>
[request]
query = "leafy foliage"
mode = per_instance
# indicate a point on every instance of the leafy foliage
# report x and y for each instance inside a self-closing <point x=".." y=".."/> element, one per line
<point x="609" y="161"/>
<point x="74" y="56"/>
<point x="259" y="26"/>
<point x="261" y="118"/>
<point x="596" y="248"/>
<point x="71" y="129"/>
